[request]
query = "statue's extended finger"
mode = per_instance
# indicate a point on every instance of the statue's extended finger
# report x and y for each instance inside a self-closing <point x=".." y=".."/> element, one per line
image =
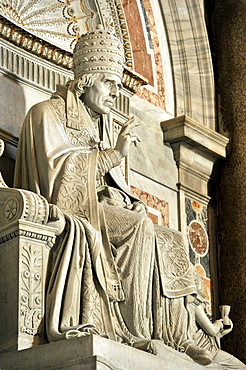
<point x="135" y="140"/>
<point x="129" y="125"/>
<point x="136" y="137"/>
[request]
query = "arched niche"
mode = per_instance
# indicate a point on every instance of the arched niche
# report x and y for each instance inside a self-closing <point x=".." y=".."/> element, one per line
<point x="193" y="81"/>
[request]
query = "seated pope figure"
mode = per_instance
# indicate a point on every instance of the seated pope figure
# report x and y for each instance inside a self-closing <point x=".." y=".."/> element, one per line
<point x="113" y="273"/>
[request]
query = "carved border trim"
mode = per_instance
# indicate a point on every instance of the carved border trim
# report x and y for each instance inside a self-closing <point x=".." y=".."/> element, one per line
<point x="49" y="240"/>
<point x="42" y="49"/>
<point x="31" y="295"/>
<point x="120" y="21"/>
<point x="26" y="41"/>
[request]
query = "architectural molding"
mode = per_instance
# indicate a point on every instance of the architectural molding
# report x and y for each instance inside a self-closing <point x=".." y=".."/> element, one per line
<point x="16" y="35"/>
<point x="8" y="234"/>
<point x="28" y="68"/>
<point x="195" y="148"/>
<point x="62" y="22"/>
<point x="26" y="56"/>
<point x="184" y="129"/>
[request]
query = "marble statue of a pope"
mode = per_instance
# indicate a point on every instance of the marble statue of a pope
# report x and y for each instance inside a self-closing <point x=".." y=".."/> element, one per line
<point x="113" y="273"/>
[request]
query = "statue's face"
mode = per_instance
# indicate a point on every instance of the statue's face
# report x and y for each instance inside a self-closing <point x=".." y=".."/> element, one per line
<point x="101" y="96"/>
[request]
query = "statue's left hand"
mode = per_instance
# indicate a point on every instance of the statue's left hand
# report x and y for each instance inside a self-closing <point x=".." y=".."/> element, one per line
<point x="56" y="219"/>
<point x="226" y="331"/>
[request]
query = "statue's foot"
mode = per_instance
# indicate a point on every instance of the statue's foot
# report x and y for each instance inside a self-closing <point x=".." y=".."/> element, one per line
<point x="201" y="356"/>
<point x="145" y="345"/>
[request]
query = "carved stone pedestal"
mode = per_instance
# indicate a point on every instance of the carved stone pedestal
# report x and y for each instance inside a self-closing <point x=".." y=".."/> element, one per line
<point x="94" y="352"/>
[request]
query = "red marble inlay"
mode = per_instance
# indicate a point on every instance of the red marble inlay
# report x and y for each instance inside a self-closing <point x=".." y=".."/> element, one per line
<point x="159" y="98"/>
<point x="206" y="287"/>
<point x="142" y="60"/>
<point x="198" y="238"/>
<point x="150" y="200"/>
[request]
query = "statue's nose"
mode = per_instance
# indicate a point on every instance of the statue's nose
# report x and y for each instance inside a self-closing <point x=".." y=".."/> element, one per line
<point x="114" y="91"/>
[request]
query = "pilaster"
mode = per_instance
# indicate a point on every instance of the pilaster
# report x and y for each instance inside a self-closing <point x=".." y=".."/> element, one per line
<point x="196" y="148"/>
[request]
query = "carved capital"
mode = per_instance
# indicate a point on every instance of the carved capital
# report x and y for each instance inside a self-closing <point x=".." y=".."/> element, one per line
<point x="195" y="148"/>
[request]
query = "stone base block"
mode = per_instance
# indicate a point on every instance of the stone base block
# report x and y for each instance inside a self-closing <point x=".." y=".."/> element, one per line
<point x="96" y="353"/>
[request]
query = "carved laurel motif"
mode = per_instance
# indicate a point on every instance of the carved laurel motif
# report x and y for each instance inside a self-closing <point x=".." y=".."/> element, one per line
<point x="31" y="299"/>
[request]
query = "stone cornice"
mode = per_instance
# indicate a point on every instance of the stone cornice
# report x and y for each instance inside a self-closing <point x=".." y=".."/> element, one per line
<point x="23" y="228"/>
<point x="47" y="51"/>
<point x="186" y="130"/>
<point x="195" y="148"/>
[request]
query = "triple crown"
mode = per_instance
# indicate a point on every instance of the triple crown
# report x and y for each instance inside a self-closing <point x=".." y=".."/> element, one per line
<point x="98" y="51"/>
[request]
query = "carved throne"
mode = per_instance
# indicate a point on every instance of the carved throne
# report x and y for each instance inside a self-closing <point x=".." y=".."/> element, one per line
<point x="25" y="242"/>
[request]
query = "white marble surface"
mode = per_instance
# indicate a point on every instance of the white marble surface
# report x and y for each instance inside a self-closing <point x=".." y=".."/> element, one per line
<point x="24" y="253"/>
<point x="152" y="158"/>
<point x="94" y="352"/>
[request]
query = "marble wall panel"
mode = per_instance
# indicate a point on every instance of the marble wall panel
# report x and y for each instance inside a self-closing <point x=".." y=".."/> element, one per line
<point x="158" y="192"/>
<point x="154" y="203"/>
<point x="199" y="248"/>
<point x="152" y="158"/>
<point x="146" y="49"/>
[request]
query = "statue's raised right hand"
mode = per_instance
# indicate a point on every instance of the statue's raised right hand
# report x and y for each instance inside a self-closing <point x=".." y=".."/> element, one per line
<point x="126" y="137"/>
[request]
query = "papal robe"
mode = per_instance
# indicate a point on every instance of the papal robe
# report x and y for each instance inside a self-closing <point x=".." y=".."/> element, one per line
<point x="112" y="271"/>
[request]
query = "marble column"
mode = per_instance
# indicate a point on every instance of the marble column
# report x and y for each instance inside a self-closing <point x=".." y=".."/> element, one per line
<point x="229" y="26"/>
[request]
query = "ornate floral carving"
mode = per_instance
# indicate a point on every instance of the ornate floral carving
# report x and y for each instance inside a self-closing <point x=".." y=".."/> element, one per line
<point x="174" y="262"/>
<point x="62" y="22"/>
<point x="73" y="191"/>
<point x="31" y="295"/>
<point x="28" y="42"/>
<point x="121" y="29"/>
<point x="56" y="22"/>
<point x="11" y="209"/>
